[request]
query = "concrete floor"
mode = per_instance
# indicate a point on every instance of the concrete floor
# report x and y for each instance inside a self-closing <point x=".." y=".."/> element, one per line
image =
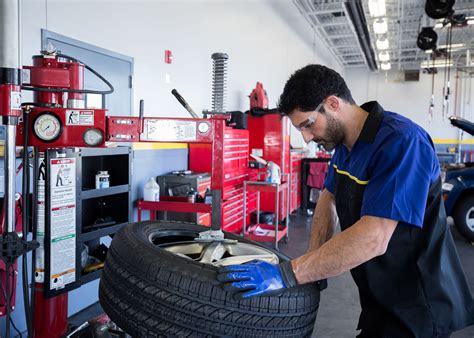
<point x="340" y="308"/>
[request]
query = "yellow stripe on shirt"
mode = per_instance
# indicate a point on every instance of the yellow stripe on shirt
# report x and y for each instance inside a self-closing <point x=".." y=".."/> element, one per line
<point x="342" y="172"/>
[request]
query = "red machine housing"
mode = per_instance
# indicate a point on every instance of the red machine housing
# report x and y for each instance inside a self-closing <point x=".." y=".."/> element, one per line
<point x="71" y="135"/>
<point x="49" y="72"/>
<point x="258" y="97"/>
<point x="57" y="76"/>
<point x="10" y="98"/>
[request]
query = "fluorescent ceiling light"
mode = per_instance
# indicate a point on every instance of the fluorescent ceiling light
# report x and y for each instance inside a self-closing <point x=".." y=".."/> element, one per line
<point x="382" y="44"/>
<point x="436" y="63"/>
<point x="377" y="8"/>
<point x="453" y="47"/>
<point x="380" y="26"/>
<point x="384" y="56"/>
<point x="385" y="66"/>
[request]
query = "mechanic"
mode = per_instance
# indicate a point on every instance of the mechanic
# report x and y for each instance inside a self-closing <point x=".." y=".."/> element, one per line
<point x="384" y="187"/>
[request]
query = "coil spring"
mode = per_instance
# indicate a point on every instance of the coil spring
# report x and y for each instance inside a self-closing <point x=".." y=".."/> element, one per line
<point x="219" y="81"/>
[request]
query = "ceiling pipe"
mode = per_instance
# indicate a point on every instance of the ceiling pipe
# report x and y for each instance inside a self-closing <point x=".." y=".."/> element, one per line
<point x="356" y="14"/>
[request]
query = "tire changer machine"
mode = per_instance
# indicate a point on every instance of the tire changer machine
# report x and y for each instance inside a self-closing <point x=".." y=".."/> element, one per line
<point x="47" y="124"/>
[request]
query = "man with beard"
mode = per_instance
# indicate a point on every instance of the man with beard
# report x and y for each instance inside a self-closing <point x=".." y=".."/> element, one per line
<point x="384" y="188"/>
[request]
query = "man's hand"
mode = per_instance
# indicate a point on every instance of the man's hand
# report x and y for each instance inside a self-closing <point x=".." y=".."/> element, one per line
<point x="256" y="278"/>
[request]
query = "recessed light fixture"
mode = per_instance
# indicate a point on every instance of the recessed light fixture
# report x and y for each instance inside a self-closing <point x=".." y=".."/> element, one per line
<point x="382" y="44"/>
<point x="377" y="8"/>
<point x="384" y="57"/>
<point x="380" y="26"/>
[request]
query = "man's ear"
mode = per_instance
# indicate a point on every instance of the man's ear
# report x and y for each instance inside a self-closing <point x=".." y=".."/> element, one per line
<point x="333" y="102"/>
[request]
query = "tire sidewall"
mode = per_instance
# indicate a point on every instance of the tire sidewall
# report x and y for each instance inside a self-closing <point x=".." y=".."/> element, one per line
<point x="460" y="214"/>
<point x="138" y="236"/>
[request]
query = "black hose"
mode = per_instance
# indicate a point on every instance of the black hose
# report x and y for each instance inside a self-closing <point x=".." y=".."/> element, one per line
<point x="7" y="299"/>
<point x="43" y="105"/>
<point x="34" y="235"/>
<point x="81" y="91"/>
<point x="25" y="218"/>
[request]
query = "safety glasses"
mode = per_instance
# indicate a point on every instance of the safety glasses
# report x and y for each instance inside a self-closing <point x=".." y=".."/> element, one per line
<point x="308" y="123"/>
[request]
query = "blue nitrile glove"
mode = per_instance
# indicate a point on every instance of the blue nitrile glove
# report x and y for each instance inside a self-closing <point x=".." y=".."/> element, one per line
<point x="256" y="278"/>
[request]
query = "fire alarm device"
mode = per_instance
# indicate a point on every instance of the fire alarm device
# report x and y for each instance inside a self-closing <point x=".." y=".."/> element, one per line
<point x="168" y="56"/>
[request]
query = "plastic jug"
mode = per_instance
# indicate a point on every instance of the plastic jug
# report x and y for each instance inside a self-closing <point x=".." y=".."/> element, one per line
<point x="151" y="191"/>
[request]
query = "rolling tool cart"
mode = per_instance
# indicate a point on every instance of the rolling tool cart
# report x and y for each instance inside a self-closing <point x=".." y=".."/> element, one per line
<point x="266" y="232"/>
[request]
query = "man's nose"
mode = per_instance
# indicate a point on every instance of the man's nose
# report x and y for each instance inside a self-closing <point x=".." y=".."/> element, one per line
<point x="307" y="136"/>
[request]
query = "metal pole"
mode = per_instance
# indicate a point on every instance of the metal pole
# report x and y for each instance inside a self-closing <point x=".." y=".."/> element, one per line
<point x="216" y="214"/>
<point x="244" y="225"/>
<point x="9" y="169"/>
<point x="277" y="213"/>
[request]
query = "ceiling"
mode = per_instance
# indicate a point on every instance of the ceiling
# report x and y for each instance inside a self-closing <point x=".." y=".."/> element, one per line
<point x="333" y="21"/>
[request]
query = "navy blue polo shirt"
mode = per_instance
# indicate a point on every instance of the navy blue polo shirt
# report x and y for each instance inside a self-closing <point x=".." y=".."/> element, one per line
<point x="397" y="168"/>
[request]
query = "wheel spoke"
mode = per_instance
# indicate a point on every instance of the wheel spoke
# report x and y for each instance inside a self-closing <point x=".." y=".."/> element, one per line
<point x="219" y="253"/>
<point x="213" y="252"/>
<point x="246" y="258"/>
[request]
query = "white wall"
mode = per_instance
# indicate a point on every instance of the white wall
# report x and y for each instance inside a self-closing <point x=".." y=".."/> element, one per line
<point x="266" y="41"/>
<point x="412" y="99"/>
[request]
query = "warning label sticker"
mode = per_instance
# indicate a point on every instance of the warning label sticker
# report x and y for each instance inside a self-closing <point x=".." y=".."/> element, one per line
<point x="39" y="272"/>
<point x="63" y="222"/>
<point x="79" y="117"/>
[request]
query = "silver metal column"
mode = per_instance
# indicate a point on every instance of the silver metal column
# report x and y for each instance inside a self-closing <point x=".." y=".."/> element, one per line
<point x="9" y="34"/>
<point x="9" y="66"/>
<point x="9" y="171"/>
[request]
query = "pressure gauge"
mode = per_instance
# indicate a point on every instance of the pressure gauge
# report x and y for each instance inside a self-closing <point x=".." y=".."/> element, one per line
<point x="47" y="127"/>
<point x="93" y="137"/>
<point x="203" y="127"/>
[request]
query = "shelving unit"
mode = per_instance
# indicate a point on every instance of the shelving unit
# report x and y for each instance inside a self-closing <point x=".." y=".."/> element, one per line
<point x="112" y="205"/>
<point x="99" y="213"/>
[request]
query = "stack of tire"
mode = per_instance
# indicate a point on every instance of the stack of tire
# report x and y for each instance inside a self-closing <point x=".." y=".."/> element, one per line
<point x="150" y="292"/>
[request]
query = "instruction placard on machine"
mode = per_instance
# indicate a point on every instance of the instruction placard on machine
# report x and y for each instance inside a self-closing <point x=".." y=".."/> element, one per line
<point x="62" y="182"/>
<point x="170" y="130"/>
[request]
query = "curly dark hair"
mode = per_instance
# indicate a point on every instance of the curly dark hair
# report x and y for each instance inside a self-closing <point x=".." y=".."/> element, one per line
<point x="309" y="86"/>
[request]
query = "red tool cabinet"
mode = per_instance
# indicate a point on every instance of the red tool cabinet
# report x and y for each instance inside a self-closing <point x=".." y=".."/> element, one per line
<point x="296" y="157"/>
<point x="270" y="139"/>
<point x="235" y="166"/>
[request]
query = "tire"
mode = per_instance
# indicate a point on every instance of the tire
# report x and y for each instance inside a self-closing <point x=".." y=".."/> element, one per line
<point x="464" y="217"/>
<point x="150" y="292"/>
